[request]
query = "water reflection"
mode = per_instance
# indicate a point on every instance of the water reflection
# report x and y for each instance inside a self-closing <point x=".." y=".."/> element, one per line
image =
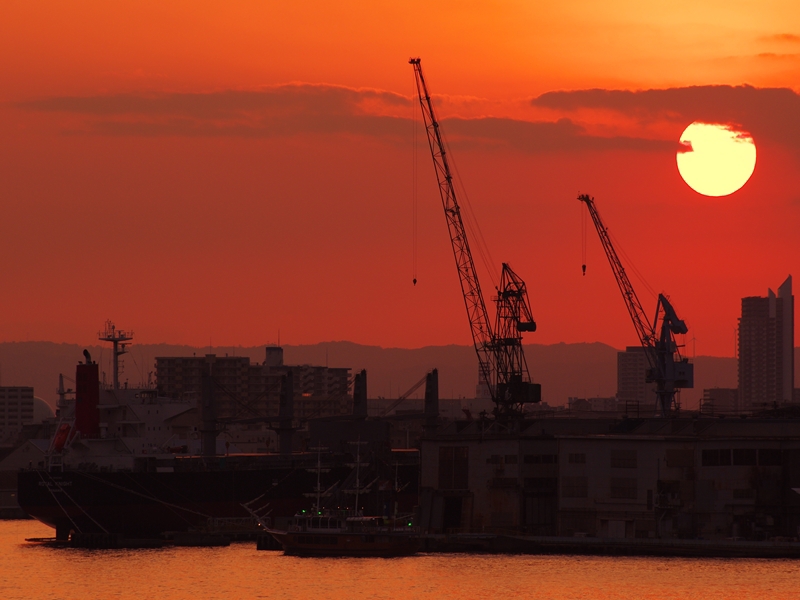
<point x="31" y="571"/>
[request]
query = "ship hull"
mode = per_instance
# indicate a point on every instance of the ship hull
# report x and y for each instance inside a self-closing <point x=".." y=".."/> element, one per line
<point x="154" y="504"/>
<point x="378" y="545"/>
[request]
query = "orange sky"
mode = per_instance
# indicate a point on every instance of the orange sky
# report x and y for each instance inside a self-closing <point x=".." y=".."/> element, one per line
<point x="221" y="171"/>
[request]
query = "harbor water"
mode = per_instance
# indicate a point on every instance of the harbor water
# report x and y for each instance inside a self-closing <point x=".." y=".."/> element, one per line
<point x="33" y="571"/>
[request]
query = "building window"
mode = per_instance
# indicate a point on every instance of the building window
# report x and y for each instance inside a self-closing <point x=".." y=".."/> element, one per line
<point x="540" y="459"/>
<point x="769" y="457"/>
<point x="679" y="457"/>
<point x="744" y="457"/>
<point x="453" y="467"/>
<point x="541" y="483"/>
<point x="574" y="487"/>
<point x="716" y="458"/>
<point x="623" y="459"/>
<point x="577" y="459"/>
<point x="511" y="459"/>
<point x="504" y="482"/>
<point x="624" y="488"/>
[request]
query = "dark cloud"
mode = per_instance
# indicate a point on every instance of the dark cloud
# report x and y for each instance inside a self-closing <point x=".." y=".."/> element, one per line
<point x="767" y="113"/>
<point x="562" y="135"/>
<point x="775" y="56"/>
<point x="783" y="37"/>
<point x="292" y="98"/>
<point x="314" y="109"/>
<point x="275" y="111"/>
<point x="368" y="125"/>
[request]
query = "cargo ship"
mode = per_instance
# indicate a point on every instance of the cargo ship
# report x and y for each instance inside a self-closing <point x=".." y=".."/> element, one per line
<point x="121" y="465"/>
<point x="192" y="494"/>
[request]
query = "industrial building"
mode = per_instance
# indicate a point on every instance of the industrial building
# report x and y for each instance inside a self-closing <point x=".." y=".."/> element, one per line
<point x="625" y="478"/>
<point x="720" y="401"/>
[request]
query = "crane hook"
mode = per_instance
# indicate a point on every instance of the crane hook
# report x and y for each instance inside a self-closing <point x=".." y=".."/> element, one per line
<point x="415" y="281"/>
<point x="584" y="270"/>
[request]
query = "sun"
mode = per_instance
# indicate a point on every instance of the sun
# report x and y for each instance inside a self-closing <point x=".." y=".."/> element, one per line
<point x="718" y="160"/>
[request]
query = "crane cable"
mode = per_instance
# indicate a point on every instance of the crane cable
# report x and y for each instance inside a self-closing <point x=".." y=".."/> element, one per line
<point x="414" y="109"/>
<point x="619" y="249"/>
<point x="468" y="213"/>
<point x="471" y="222"/>
<point x="584" y="213"/>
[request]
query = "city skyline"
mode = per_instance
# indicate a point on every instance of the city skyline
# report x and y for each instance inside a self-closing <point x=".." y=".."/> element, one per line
<point x="220" y="176"/>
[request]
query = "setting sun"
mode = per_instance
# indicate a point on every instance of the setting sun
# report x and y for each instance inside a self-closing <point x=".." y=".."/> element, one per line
<point x="720" y="159"/>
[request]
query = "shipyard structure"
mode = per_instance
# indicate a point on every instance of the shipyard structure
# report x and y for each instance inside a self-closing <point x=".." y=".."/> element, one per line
<point x="615" y="478"/>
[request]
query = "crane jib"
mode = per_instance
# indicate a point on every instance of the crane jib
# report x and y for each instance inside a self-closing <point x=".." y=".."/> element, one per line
<point x="500" y="355"/>
<point x="667" y="369"/>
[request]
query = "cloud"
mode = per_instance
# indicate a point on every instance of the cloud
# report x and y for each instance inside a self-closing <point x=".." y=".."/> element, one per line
<point x="767" y="113"/>
<point x="288" y="98"/>
<point x="275" y="111"/>
<point x="782" y="37"/>
<point x="533" y="137"/>
<point x="775" y="56"/>
<point x="296" y="109"/>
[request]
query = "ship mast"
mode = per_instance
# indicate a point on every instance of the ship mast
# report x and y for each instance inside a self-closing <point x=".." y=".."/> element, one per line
<point x="358" y="444"/>
<point x="119" y="338"/>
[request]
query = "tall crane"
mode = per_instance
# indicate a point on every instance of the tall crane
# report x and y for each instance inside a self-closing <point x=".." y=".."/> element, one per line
<point x="667" y="369"/>
<point x="500" y="355"/>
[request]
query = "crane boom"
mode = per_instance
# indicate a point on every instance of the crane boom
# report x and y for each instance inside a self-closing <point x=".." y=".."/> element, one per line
<point x="645" y="331"/>
<point x="500" y="354"/>
<point x="668" y="369"/>
<point x="470" y="287"/>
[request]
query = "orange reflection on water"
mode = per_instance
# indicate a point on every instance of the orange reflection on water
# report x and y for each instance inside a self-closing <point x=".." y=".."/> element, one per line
<point x="240" y="571"/>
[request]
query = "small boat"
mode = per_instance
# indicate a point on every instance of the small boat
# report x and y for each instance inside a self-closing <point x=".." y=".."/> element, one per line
<point x="339" y="534"/>
<point x="324" y="532"/>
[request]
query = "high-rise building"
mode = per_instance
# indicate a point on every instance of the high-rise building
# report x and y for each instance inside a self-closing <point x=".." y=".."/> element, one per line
<point x="766" y="349"/>
<point x="632" y="387"/>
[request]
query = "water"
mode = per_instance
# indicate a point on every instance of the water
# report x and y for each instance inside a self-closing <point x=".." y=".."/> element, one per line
<point x="240" y="571"/>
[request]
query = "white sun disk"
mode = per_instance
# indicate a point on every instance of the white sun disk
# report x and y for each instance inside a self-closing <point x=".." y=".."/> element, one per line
<point x="720" y="161"/>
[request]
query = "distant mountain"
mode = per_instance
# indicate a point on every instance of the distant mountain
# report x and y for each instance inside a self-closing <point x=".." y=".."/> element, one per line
<point x="564" y="370"/>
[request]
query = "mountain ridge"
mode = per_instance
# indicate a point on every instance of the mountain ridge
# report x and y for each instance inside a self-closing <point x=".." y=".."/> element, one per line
<point x="584" y="369"/>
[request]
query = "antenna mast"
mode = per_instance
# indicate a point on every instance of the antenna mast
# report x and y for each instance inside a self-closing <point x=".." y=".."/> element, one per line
<point x="119" y="338"/>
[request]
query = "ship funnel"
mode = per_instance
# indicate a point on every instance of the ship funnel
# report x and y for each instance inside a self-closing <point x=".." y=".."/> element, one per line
<point x="87" y="397"/>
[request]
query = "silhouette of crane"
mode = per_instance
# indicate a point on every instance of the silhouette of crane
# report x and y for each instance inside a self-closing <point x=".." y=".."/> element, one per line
<point x="667" y="369"/>
<point x="500" y="354"/>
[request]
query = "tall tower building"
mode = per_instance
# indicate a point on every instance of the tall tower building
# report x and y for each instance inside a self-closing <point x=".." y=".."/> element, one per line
<point x="632" y="387"/>
<point x="766" y="349"/>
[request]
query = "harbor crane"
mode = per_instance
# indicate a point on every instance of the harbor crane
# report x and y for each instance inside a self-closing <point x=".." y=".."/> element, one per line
<point x="500" y="354"/>
<point x="667" y="369"/>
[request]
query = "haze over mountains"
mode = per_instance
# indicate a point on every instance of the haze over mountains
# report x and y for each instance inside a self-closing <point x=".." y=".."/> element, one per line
<point x="564" y="370"/>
